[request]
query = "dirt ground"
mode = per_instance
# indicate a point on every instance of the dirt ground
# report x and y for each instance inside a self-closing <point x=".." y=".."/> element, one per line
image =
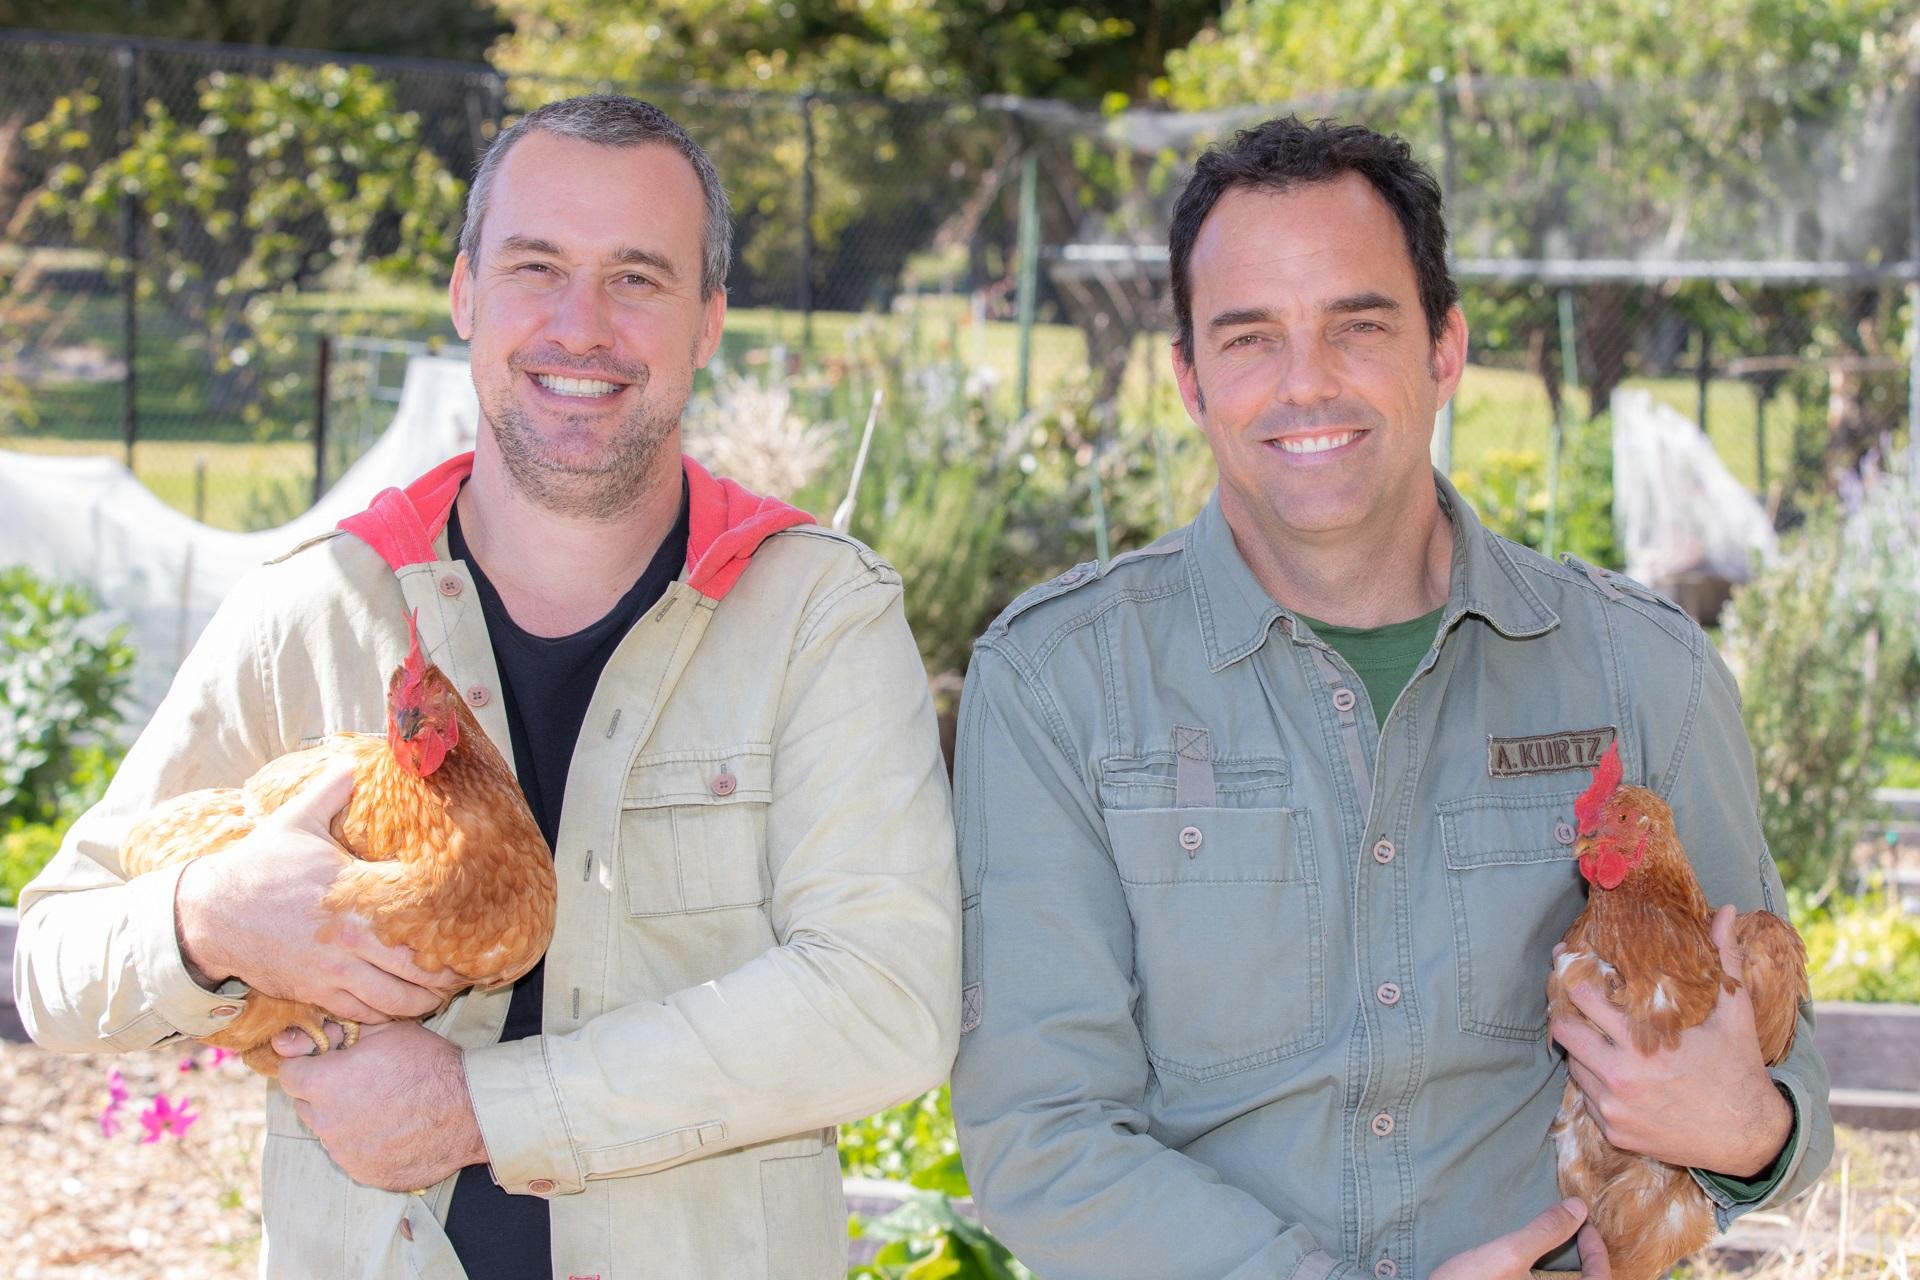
<point x="77" y="1204"/>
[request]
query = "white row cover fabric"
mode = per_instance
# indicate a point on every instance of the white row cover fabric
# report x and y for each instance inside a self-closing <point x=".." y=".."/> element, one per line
<point x="89" y="521"/>
<point x="1677" y="509"/>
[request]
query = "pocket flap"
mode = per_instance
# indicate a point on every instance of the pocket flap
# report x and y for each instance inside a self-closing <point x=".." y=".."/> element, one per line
<point x="1495" y="831"/>
<point x="709" y="775"/>
<point x="1209" y="846"/>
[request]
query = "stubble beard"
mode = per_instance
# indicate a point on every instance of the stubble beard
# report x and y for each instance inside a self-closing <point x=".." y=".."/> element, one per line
<point x="605" y="484"/>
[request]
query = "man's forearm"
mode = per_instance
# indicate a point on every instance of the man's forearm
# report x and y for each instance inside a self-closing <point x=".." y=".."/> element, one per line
<point x="100" y="968"/>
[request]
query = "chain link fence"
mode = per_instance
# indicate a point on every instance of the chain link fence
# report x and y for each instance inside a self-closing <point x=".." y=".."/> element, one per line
<point x="184" y="225"/>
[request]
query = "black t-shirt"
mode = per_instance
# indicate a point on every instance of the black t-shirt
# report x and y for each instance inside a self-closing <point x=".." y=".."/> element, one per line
<point x="496" y="1235"/>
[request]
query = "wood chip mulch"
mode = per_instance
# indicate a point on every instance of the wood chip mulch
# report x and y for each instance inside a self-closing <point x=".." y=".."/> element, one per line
<point x="77" y="1204"/>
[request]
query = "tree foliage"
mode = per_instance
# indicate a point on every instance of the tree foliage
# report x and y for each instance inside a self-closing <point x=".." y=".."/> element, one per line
<point x="420" y="29"/>
<point x="272" y="183"/>
<point x="1602" y="131"/>
<point x="936" y="165"/>
<point x="898" y="48"/>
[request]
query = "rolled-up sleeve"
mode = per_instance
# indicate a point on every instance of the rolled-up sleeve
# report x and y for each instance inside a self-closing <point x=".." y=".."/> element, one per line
<point x="1049" y="1090"/>
<point x="97" y="964"/>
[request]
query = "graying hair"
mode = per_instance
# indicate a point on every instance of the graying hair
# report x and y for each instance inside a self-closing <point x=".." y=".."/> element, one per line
<point x="610" y="120"/>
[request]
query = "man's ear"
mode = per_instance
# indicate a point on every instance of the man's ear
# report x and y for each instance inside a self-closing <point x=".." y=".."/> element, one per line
<point x="460" y="298"/>
<point x="711" y="322"/>
<point x="1188" y="381"/>
<point x="1450" y="353"/>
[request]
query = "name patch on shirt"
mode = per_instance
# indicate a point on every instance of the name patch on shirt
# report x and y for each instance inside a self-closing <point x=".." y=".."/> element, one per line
<point x="1574" y="750"/>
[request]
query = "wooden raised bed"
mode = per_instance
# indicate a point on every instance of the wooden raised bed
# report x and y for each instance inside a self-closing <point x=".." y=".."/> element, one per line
<point x="1873" y="1055"/>
<point x="10" y="1028"/>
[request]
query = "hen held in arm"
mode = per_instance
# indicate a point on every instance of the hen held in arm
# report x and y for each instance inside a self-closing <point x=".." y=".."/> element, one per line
<point x="448" y="859"/>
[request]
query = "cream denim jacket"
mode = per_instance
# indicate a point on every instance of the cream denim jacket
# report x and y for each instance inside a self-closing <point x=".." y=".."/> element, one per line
<point x="737" y="965"/>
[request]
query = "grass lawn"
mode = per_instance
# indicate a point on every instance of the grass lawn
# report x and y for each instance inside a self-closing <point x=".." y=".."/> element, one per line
<point x="245" y="486"/>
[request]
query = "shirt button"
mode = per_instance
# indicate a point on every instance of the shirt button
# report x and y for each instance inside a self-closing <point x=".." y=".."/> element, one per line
<point x="406" y="1227"/>
<point x="723" y="784"/>
<point x="1563" y="832"/>
<point x="1382" y="1125"/>
<point x="1191" y="839"/>
<point x="1388" y="993"/>
<point x="1386" y="1268"/>
<point x="1343" y="700"/>
<point x="540" y="1187"/>
<point x="224" y="1010"/>
<point x="477" y="695"/>
<point x="450" y="584"/>
<point x="1383" y="852"/>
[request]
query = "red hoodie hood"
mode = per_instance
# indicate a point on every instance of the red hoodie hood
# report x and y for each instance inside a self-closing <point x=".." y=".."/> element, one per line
<point x="725" y="523"/>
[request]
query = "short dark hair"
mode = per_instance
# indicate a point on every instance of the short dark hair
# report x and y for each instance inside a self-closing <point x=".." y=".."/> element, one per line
<point x="1289" y="152"/>
<point x="612" y="120"/>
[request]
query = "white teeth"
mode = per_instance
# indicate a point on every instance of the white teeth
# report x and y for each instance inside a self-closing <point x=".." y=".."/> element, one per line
<point x="574" y="386"/>
<point x="1315" y="444"/>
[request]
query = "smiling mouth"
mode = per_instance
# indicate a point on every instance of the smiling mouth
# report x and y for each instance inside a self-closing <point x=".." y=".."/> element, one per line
<point x="1321" y="443"/>
<point x="578" y="388"/>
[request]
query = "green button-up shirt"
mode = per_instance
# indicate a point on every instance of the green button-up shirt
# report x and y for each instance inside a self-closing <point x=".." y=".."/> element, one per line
<point x="1254" y="988"/>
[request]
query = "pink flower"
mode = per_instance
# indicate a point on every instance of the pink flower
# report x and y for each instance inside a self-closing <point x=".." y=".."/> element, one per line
<point x="216" y="1056"/>
<point x="116" y="1098"/>
<point x="162" y="1118"/>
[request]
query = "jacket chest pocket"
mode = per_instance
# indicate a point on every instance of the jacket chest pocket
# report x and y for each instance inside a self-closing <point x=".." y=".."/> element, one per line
<point x="693" y="827"/>
<point x="1229" y="952"/>
<point x="1513" y="888"/>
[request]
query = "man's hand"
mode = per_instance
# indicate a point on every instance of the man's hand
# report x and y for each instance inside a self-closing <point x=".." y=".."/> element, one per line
<point x="392" y="1111"/>
<point x="253" y="912"/>
<point x="1706" y="1104"/>
<point x="1511" y="1257"/>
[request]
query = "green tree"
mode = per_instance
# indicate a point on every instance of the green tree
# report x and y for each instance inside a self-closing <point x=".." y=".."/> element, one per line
<point x="421" y="29"/>
<point x="273" y="183"/>
<point x="1600" y="131"/>
<point x="936" y="166"/>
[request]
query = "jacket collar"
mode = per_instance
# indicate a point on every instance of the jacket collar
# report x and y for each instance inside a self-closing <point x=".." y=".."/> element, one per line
<point x="725" y="523"/>
<point x="1236" y="613"/>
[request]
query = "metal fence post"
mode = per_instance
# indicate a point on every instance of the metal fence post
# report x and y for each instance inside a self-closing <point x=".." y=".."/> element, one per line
<point x="125" y="56"/>
<point x="323" y="361"/>
<point x="1704" y="372"/>
<point x="1569" y="379"/>
<point x="1029" y="267"/>
<point x="806" y="218"/>
<point x="1913" y="295"/>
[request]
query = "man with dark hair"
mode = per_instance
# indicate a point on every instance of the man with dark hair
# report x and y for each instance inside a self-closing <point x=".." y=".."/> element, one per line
<point x="720" y="723"/>
<point x="1265" y="828"/>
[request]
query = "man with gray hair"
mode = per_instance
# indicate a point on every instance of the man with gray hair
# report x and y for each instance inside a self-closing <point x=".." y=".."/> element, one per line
<point x="720" y="723"/>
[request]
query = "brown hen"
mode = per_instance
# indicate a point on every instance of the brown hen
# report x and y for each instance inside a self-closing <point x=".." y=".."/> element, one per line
<point x="1645" y="941"/>
<point x="450" y="861"/>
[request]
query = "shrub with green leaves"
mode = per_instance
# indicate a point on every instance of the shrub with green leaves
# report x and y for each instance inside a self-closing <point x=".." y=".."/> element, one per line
<point x="1826" y="644"/>
<point x="23" y="851"/>
<point x="61" y="678"/>
<point x="1866" y="949"/>
<point x="1509" y="490"/>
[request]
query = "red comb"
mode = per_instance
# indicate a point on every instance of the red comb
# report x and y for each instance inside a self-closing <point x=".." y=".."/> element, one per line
<point x="416" y="662"/>
<point x="1606" y="777"/>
